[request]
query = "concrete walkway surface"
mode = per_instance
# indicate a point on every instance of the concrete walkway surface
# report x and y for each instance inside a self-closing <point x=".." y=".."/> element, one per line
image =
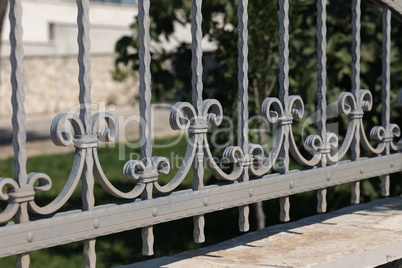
<point x="38" y="130"/>
<point x="365" y="235"/>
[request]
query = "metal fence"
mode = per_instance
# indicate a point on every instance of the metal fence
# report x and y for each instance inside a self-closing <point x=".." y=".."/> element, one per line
<point x="22" y="234"/>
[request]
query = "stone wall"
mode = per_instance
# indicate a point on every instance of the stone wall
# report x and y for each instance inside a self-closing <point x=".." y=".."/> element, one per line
<point x="51" y="84"/>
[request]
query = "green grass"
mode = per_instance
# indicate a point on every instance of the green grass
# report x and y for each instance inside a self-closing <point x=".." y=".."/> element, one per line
<point x="172" y="237"/>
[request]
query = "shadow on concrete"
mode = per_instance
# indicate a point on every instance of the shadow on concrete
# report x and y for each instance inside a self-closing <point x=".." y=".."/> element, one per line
<point x="6" y="136"/>
<point x="378" y="206"/>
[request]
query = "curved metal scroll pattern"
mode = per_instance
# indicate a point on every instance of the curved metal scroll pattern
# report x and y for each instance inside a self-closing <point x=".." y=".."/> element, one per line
<point x="68" y="129"/>
<point x="212" y="116"/>
<point x="108" y="134"/>
<point x="181" y="118"/>
<point x="272" y="109"/>
<point x="294" y="150"/>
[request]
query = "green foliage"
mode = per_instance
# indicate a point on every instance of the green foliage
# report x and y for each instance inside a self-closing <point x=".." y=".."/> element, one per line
<point x="172" y="72"/>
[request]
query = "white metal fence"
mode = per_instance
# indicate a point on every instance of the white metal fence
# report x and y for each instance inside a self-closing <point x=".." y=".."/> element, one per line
<point x="23" y="234"/>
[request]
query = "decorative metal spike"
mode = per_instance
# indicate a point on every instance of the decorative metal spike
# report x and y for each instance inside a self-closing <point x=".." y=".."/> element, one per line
<point x="355" y="193"/>
<point x="284" y="209"/>
<point x="199" y="224"/>
<point x="244" y="215"/>
<point x="147" y="235"/>
<point x="321" y="201"/>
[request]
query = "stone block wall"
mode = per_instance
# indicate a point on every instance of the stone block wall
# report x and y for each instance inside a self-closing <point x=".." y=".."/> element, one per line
<point x="51" y="84"/>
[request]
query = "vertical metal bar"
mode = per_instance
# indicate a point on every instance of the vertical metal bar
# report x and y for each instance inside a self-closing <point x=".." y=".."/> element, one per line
<point x="321" y="92"/>
<point x="197" y="88"/>
<point x="386" y="87"/>
<point x="84" y="79"/>
<point x="242" y="15"/>
<point x="145" y="110"/>
<point x="18" y="118"/>
<point x="196" y="60"/>
<point x="356" y="41"/>
<point x="284" y="96"/>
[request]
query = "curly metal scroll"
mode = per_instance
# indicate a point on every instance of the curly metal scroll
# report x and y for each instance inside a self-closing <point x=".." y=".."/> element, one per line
<point x="273" y="111"/>
<point x="295" y="108"/>
<point x="12" y="207"/>
<point x="61" y="136"/>
<point x="108" y="134"/>
<point x="212" y="111"/>
<point x="347" y="105"/>
<point x="181" y="118"/>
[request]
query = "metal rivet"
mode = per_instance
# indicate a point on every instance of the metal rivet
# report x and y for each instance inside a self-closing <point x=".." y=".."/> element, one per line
<point x="155" y="212"/>
<point x="29" y="237"/>
<point x="291" y="185"/>
<point x="250" y="193"/>
<point x="391" y="164"/>
<point x="328" y="177"/>
<point x="96" y="223"/>
<point x="205" y="201"/>
<point x="361" y="170"/>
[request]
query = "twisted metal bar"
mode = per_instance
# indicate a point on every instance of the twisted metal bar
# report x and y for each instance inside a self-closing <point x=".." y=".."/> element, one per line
<point x="145" y="111"/>
<point x="284" y="96"/>
<point x="356" y="41"/>
<point x="243" y="142"/>
<point x="321" y="92"/>
<point x="386" y="87"/>
<point x="197" y="88"/>
<point x="84" y="79"/>
<point x="18" y="118"/>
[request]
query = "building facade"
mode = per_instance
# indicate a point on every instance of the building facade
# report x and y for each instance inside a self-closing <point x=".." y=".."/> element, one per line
<point x="50" y="48"/>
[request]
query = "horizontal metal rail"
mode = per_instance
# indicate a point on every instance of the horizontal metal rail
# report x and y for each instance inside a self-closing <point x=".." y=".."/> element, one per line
<point x="73" y="226"/>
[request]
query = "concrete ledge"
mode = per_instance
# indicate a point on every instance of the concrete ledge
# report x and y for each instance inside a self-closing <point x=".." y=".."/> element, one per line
<point x="364" y="235"/>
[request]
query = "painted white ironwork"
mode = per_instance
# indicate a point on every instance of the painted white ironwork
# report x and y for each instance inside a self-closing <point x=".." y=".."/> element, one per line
<point x="195" y="119"/>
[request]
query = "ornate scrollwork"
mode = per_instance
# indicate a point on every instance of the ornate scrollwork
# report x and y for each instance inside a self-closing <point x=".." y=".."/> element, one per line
<point x="181" y="116"/>
<point x="212" y="111"/>
<point x="107" y="134"/>
<point x="295" y="110"/>
<point x="365" y="100"/>
<point x="272" y="109"/>
<point x="296" y="107"/>
<point x="322" y="147"/>
<point x="146" y="170"/>
<point x="60" y="131"/>
<point x="346" y="103"/>
<point x="12" y="207"/>
<point x="16" y="194"/>
<point x="66" y="129"/>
